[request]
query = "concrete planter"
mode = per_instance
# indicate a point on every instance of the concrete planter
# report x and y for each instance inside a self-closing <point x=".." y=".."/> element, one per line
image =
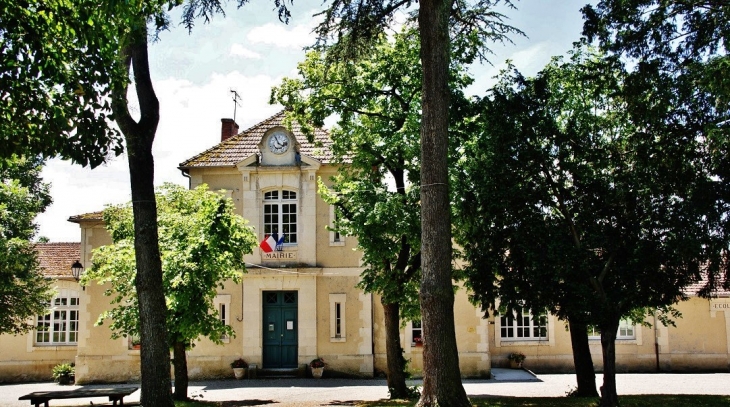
<point x="239" y="372"/>
<point x="317" y="372"/>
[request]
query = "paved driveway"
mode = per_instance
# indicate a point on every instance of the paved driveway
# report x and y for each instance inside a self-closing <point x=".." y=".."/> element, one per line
<point x="343" y="392"/>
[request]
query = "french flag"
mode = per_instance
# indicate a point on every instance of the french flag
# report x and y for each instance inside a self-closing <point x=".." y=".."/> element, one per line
<point x="268" y="244"/>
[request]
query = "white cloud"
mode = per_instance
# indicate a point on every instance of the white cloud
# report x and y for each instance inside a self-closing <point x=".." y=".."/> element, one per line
<point x="189" y="124"/>
<point x="297" y="36"/>
<point x="239" y="50"/>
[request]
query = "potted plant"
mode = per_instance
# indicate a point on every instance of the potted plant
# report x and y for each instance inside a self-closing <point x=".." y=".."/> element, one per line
<point x="317" y="365"/>
<point x="239" y="368"/>
<point x="64" y="373"/>
<point x="134" y="342"/>
<point x="516" y="359"/>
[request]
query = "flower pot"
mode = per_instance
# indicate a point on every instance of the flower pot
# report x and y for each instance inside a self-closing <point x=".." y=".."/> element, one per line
<point x="317" y="372"/>
<point x="239" y="372"/>
<point x="515" y="364"/>
<point x="65" y="380"/>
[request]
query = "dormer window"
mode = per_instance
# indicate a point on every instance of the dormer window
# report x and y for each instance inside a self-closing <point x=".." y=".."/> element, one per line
<point x="280" y="215"/>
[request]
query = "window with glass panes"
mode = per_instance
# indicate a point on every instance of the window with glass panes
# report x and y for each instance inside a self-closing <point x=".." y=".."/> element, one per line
<point x="280" y="215"/>
<point x="60" y="325"/>
<point x="626" y="330"/>
<point x="416" y="333"/>
<point x="522" y="325"/>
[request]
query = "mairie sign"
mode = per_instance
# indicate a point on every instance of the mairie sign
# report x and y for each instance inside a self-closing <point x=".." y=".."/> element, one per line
<point x="279" y="255"/>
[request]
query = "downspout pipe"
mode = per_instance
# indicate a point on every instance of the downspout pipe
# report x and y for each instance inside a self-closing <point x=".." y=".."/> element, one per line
<point x="656" y="344"/>
<point x="186" y="174"/>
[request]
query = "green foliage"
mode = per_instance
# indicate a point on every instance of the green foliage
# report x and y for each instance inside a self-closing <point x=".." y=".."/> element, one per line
<point x="202" y="243"/>
<point x="376" y="141"/>
<point x="351" y="29"/>
<point x="675" y="31"/>
<point x="24" y="292"/>
<point x="678" y="82"/>
<point x="54" y="92"/>
<point x="63" y="370"/>
<point x="59" y="63"/>
<point x="572" y="205"/>
<point x="518" y="357"/>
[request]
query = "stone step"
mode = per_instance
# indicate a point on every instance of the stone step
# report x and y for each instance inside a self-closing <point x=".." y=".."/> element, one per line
<point x="280" y="373"/>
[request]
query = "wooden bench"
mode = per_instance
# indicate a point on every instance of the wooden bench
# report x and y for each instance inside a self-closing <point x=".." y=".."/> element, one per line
<point x="114" y="393"/>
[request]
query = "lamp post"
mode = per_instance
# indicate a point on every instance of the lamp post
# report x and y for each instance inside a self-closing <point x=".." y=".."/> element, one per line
<point x="76" y="269"/>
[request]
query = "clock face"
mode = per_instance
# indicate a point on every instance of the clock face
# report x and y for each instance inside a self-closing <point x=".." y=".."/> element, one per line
<point x="278" y="143"/>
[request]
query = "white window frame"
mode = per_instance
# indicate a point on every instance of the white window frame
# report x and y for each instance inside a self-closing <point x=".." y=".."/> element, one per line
<point x="62" y="321"/>
<point x="338" y="301"/>
<point x="626" y="331"/>
<point x="280" y="203"/>
<point x="336" y="238"/>
<point x="223" y="301"/>
<point x="524" y="327"/>
<point x="416" y="327"/>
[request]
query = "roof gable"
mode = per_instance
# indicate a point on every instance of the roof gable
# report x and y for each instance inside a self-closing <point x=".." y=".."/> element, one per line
<point x="232" y="151"/>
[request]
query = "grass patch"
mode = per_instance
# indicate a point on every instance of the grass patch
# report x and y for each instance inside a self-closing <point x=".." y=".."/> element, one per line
<point x="626" y="401"/>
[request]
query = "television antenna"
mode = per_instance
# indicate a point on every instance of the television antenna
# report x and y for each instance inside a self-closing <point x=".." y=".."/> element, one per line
<point x="236" y="98"/>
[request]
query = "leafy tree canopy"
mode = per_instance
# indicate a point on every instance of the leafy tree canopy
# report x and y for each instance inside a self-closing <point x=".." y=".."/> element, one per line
<point x="350" y="28"/>
<point x="202" y="243"/>
<point x="24" y="292"/>
<point x="54" y="93"/>
<point x="561" y="184"/>
<point x="679" y="52"/>
<point x="58" y="63"/>
<point x="675" y="30"/>
<point x="570" y="202"/>
<point x="376" y="141"/>
<point x="353" y="28"/>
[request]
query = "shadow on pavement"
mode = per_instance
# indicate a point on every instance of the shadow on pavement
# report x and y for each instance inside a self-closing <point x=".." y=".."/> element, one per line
<point x="239" y="403"/>
<point x="273" y="383"/>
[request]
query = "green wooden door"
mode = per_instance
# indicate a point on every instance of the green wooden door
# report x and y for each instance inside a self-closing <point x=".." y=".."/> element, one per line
<point x="280" y="329"/>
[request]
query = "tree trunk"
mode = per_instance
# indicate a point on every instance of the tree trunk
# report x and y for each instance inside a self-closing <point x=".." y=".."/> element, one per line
<point x="582" y="359"/>
<point x="155" y="353"/>
<point x="394" y="351"/>
<point x="609" y="395"/>
<point x="180" y="362"/>
<point x="441" y="377"/>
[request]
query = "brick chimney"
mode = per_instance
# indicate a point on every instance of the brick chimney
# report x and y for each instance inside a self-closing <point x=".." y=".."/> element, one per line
<point x="229" y="128"/>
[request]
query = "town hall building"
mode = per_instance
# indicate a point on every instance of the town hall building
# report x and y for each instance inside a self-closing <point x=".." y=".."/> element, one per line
<point x="301" y="301"/>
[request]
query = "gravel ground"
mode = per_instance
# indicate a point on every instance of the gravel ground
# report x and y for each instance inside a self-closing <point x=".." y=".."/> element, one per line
<point x="343" y="392"/>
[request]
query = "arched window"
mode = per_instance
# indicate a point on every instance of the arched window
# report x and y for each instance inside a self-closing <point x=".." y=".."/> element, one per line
<point x="280" y="215"/>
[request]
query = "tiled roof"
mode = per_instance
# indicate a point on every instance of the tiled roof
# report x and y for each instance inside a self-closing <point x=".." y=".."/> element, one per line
<point x="91" y="216"/>
<point x="230" y="152"/>
<point x="694" y="289"/>
<point x="56" y="258"/>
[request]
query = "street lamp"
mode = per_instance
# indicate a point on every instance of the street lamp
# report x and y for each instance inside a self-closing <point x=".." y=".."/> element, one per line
<point x="76" y="269"/>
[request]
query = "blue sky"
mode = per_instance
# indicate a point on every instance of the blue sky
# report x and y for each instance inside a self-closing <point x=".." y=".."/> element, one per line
<point x="250" y="51"/>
